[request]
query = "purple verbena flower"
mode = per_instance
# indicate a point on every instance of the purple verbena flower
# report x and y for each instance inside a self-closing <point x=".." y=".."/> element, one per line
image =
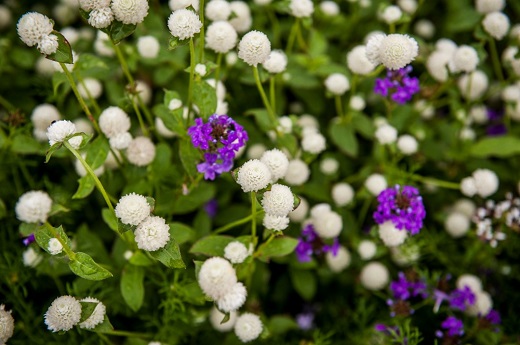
<point x="460" y="298"/>
<point x="305" y="320"/>
<point x="398" y="84"/>
<point x="439" y="296"/>
<point x="309" y="244"/>
<point x="28" y="240"/>
<point x="493" y="317"/>
<point x="400" y="287"/>
<point x="454" y="326"/>
<point x="404" y="207"/>
<point x="211" y="208"/>
<point x="220" y="138"/>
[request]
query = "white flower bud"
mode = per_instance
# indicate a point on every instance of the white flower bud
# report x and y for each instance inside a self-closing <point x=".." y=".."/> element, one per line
<point x="132" y="209"/>
<point x="391" y="14"/>
<point x="298" y="172"/>
<point x="301" y="8"/>
<point x="217" y="10"/>
<point x="456" y="224"/>
<point x="496" y="24"/>
<point x="141" y="151"/>
<point x="130" y="11"/>
<point x="276" y="62"/>
<point x="375" y="184"/>
<point x="367" y="249"/>
<point x="358" y="62"/>
<point x="342" y="193"/>
<point x="390" y="235"/>
<point x="407" y="144"/>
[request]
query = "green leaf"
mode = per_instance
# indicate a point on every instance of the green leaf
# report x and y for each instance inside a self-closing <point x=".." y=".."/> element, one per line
<point x="205" y="98"/>
<point x="363" y="125"/>
<point x="85" y="267"/>
<point x="262" y="118"/>
<point x="280" y="324"/>
<point x="103" y="327"/>
<point x="57" y="208"/>
<point x="110" y="218"/>
<point x="86" y="186"/>
<point x="140" y="259"/>
<point x="57" y="80"/>
<point x="304" y="282"/>
<point x="503" y="146"/>
<point x="181" y="233"/>
<point x="92" y="65"/>
<point x="97" y="152"/>
<point x="190" y="157"/>
<point x="87" y="308"/>
<point x="172" y="119"/>
<point x="132" y="287"/>
<point x="343" y="136"/>
<point x="212" y="245"/>
<point x="25" y="229"/>
<point x="170" y="255"/>
<point x="90" y="242"/>
<point x="289" y="141"/>
<point x="277" y="247"/>
<point x="51" y="150"/>
<point x="64" y="51"/>
<point x="175" y="42"/>
<point x="43" y="235"/>
<point x="194" y="199"/>
<point x="119" y="31"/>
<point x="25" y="144"/>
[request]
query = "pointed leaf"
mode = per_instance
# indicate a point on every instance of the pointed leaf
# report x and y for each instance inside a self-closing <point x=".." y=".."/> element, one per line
<point x="190" y="157"/>
<point x="170" y="255"/>
<point x="64" y="51"/>
<point x="205" y="97"/>
<point x="110" y="218"/>
<point x="85" y="267"/>
<point x="43" y="235"/>
<point x="97" y="152"/>
<point x="277" y="247"/>
<point x="132" y="287"/>
<point x="86" y="186"/>
<point x="212" y="245"/>
<point x="343" y="136"/>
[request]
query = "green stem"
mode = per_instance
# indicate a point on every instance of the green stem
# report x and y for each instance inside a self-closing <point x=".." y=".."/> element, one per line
<point x="79" y="98"/>
<point x="253" y="218"/>
<point x="124" y="65"/>
<point x="146" y="133"/>
<point x="436" y="182"/>
<point x="217" y="71"/>
<point x="236" y="223"/>
<point x="128" y="334"/>
<point x="391" y="28"/>
<point x="201" y="36"/>
<point x="292" y="37"/>
<point x="68" y="251"/>
<point x="89" y="170"/>
<point x="299" y="37"/>
<point x="339" y="106"/>
<point x="192" y="74"/>
<point x="272" y="91"/>
<point x="92" y="100"/>
<point x="496" y="61"/>
<point x="270" y="111"/>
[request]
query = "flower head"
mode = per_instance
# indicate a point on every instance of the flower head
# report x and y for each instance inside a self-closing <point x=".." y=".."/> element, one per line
<point x="114" y="121"/>
<point x="277" y="162"/>
<point x="277" y="223"/>
<point x="33" y="27"/>
<point x="248" y="327"/>
<point x="141" y="151"/>
<point x="221" y="37"/>
<point x="59" y="130"/>
<point x="393" y="51"/>
<point x="337" y="84"/>
<point x="254" y="48"/>
<point x="253" y="176"/>
<point x="63" y="314"/>
<point x="132" y="209"/>
<point x="48" y="44"/>
<point x="130" y="11"/>
<point x="301" y="8"/>
<point x="54" y="246"/>
<point x="233" y="299"/>
<point x="276" y="62"/>
<point x="216" y="317"/>
<point x="403" y="206"/>
<point x="152" y="233"/>
<point x="184" y="24"/>
<point x="89" y="5"/>
<point x="216" y="277"/>
<point x="236" y="252"/>
<point x="374" y="276"/>
<point x="101" y="18"/>
<point x="6" y="324"/>
<point x="278" y="201"/>
<point x="33" y="207"/>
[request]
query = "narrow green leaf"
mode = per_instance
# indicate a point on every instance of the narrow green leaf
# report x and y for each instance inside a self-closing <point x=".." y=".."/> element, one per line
<point x="97" y="152"/>
<point x="51" y="150"/>
<point x="64" y="51"/>
<point x="173" y="119"/>
<point x="277" y="247"/>
<point x="205" y="97"/>
<point x="503" y="146"/>
<point x="190" y="157"/>
<point x="343" y="136"/>
<point x="304" y="282"/>
<point x="119" y="31"/>
<point x="132" y="287"/>
<point x="85" y="267"/>
<point x="110" y="218"/>
<point x="86" y="186"/>
<point x="212" y="245"/>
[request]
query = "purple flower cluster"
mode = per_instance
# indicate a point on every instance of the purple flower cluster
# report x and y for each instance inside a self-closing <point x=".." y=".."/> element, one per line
<point x="496" y="125"/>
<point x="404" y="207"/>
<point x="461" y="298"/>
<point x="453" y="326"/>
<point x="220" y="138"/>
<point x="403" y="288"/>
<point x="398" y="85"/>
<point x="310" y="243"/>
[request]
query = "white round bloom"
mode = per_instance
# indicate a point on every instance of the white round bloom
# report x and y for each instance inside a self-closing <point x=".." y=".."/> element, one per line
<point x="391" y="14"/>
<point x="201" y="69"/>
<point x="320" y="209"/>
<point x="496" y="24"/>
<point x="43" y="115"/>
<point x="59" y="130"/>
<point x="221" y="37"/>
<point x="241" y="16"/>
<point x="390" y="235"/>
<point x="300" y="212"/>
<point x="357" y="103"/>
<point x="375" y="184"/>
<point x="307" y="120"/>
<point x="486" y="182"/>
<point x="277" y="162"/>
<point x="143" y="91"/>
<point x="152" y="233"/>
<point x="409" y="6"/>
<point x="32" y="27"/>
<point x="120" y="141"/>
<point x="132" y="209"/>
<point x="478" y="113"/>
<point x="148" y="47"/>
<point x="328" y="224"/>
<point x="178" y="4"/>
<point x="54" y="246"/>
<point x="446" y="45"/>
<point x="329" y="8"/>
<point x="407" y="144"/>
<point x="31" y="258"/>
<point x="298" y="172"/>
<point x="141" y="151"/>
<point x="231" y="58"/>
<point x="256" y="151"/>
<point x="6" y="324"/>
<point x="162" y="129"/>
<point x="5" y="16"/>
<point x="216" y="317"/>
<point x="386" y="134"/>
<point x="63" y="314"/>
<point x="44" y="66"/>
<point x="340" y="261"/>
<point x="329" y="165"/>
<point x="342" y="193"/>
<point x="184" y="24"/>
<point x="473" y="86"/>
<point x="248" y="327"/>
<point x="130" y="11"/>
<point x="218" y="10"/>
<point x="278" y="201"/>
<point x="424" y="28"/>
<point x="467" y="133"/>
<point x="254" y="48"/>
<point x="233" y="299"/>
<point x="367" y="249"/>
<point x="301" y="8"/>
<point x="313" y="142"/>
<point x="90" y="86"/>
<point x="465" y="206"/>
<point x="97" y="316"/>
<point x="114" y="121"/>
<point x="358" y="62"/>
<point x="253" y="176"/>
<point x="465" y="59"/>
<point x="33" y="207"/>
<point x="456" y="224"/>
<point x="468" y="186"/>
<point x="277" y="223"/>
<point x="471" y="281"/>
<point x="374" y="276"/>
<point x="393" y="51"/>
<point x="487" y="6"/>
<point x="236" y="252"/>
<point x="217" y="277"/>
<point x="276" y="62"/>
<point x="89" y="5"/>
<point x="337" y="84"/>
<point x="437" y="65"/>
<point x="48" y="44"/>
<point x="482" y="306"/>
<point x="101" y="18"/>
<point x="102" y="44"/>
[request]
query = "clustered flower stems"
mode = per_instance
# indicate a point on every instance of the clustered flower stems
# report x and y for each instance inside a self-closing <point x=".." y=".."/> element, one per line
<point x="78" y="96"/>
<point x="295" y="34"/>
<point x="268" y="107"/>
<point x="192" y="76"/>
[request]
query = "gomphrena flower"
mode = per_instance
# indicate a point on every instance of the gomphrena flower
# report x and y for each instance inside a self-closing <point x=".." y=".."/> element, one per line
<point x="216" y="277"/>
<point x="403" y="206"/>
<point x="132" y="209"/>
<point x="398" y="85"/>
<point x="393" y="51"/>
<point x="216" y="317"/>
<point x="220" y="138"/>
<point x="277" y="162"/>
<point x="254" y="48"/>
<point x="141" y="151"/>
<point x="89" y="5"/>
<point x="33" y="207"/>
<point x="97" y="316"/>
<point x="374" y="276"/>
<point x="184" y="24"/>
<point x="236" y="252"/>
<point x="130" y="11"/>
<point x="221" y="37"/>
<point x="63" y="314"/>
<point x="276" y="62"/>
<point x="248" y="327"/>
<point x="58" y="131"/>
<point x="6" y="324"/>
<point x="33" y="27"/>
<point x="233" y="299"/>
<point x="152" y="233"/>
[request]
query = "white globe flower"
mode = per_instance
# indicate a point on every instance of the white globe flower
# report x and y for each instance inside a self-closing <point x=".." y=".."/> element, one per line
<point x="120" y="141"/>
<point x="278" y="201"/>
<point x="329" y="8"/>
<point x="313" y="142"/>
<point x="114" y="121"/>
<point x="276" y="62"/>
<point x="162" y="129"/>
<point x="216" y="277"/>
<point x="33" y="207"/>
<point x="471" y="281"/>
<point x="487" y="6"/>
<point x="216" y="317"/>
<point x="375" y="184"/>
<point x="357" y="103"/>
<point x="236" y="252"/>
<point x="152" y="234"/>
<point x="101" y="18"/>
<point x="277" y="223"/>
<point x="374" y="276"/>
<point x="405" y="256"/>
<point x="59" y="130"/>
<point x="254" y="48"/>
<point x="90" y="87"/>
<point x="407" y="144"/>
<point x="132" y="209"/>
<point x="141" y="151"/>
<point x="253" y="176"/>
<point x="89" y="5"/>
<point x="424" y="28"/>
<point x="337" y="84"/>
<point x="233" y="299"/>
<point x="277" y="162"/>
<point x="241" y="16"/>
<point x="340" y="261"/>
<point x="409" y="6"/>
<point x="178" y="4"/>
<point x="328" y="224"/>
<point x="248" y="327"/>
<point x="48" y="44"/>
<point x="54" y="246"/>
<point x="465" y="59"/>
<point x="394" y="51"/>
<point x="473" y="85"/>
<point x="468" y="186"/>
<point x="6" y="324"/>
<point x="298" y="172"/>
<point x="358" y="62"/>
<point x="32" y="27"/>
<point x="486" y="182"/>
<point x="496" y="24"/>
<point x="148" y="47"/>
<point x="386" y="134"/>
<point x="5" y="16"/>
<point x="301" y="8"/>
<point x="319" y="210"/>
<point x="217" y="10"/>
<point x="31" y="258"/>
<point x="63" y="314"/>
<point x="130" y="11"/>
<point x="390" y="235"/>
<point x="391" y="14"/>
<point x="457" y="224"/>
<point x="482" y="306"/>
<point x="300" y="212"/>
<point x="367" y="249"/>
<point x="437" y="65"/>
<point x="329" y="165"/>
<point x="184" y="24"/>
<point x="43" y="116"/>
<point x="342" y="194"/>
<point x="465" y="206"/>
<point x="97" y="316"/>
<point x="221" y="37"/>
<point x="256" y="151"/>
